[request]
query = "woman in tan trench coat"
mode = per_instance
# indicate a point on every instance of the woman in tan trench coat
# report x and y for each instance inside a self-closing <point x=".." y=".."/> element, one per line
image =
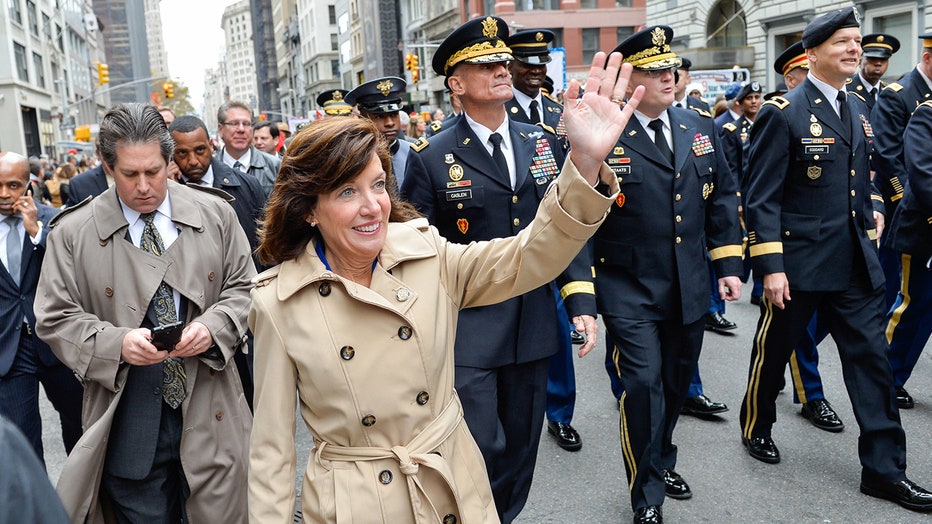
<point x="359" y="319"/>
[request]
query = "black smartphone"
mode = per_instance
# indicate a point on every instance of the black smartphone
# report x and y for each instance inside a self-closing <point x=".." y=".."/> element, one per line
<point x="165" y="337"/>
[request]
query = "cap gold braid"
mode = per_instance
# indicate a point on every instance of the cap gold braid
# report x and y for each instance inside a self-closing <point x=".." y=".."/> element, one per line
<point x="800" y="61"/>
<point x="476" y="50"/>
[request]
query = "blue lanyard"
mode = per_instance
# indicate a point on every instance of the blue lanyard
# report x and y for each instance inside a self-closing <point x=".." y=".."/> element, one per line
<point x="319" y="248"/>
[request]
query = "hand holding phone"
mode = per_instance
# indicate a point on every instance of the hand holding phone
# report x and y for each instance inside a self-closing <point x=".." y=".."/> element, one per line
<point x="165" y="337"/>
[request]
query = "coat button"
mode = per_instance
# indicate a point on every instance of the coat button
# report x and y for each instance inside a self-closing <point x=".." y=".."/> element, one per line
<point x="459" y="206"/>
<point x="678" y="240"/>
<point x="385" y="477"/>
<point x="404" y="332"/>
<point x="852" y="172"/>
<point x="423" y="397"/>
<point x="449" y="519"/>
<point x="324" y="289"/>
<point x="402" y="294"/>
<point x="854" y="213"/>
<point x="786" y="233"/>
<point x="347" y="353"/>
<point x="156" y="391"/>
<point x="678" y="197"/>
<point x="852" y="192"/>
<point x="219" y="415"/>
<point x="368" y="420"/>
<point x="514" y="199"/>
<point x="679" y="218"/>
<point x="815" y="157"/>
<point x="516" y="222"/>
<point x="677" y="175"/>
<point x="108" y="292"/>
<point x="211" y="276"/>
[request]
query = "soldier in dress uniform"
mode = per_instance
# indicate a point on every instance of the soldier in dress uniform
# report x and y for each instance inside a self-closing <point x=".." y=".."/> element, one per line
<point x="480" y="179"/>
<point x="811" y="227"/>
<point x="334" y="104"/>
<point x="379" y="100"/>
<point x="681" y="97"/>
<point x="439" y="125"/>
<point x="678" y="200"/>
<point x="876" y="50"/>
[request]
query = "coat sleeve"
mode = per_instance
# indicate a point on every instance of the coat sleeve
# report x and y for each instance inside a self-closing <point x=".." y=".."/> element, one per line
<point x="272" y="461"/>
<point x="767" y="170"/>
<point x="888" y="119"/>
<point x="723" y="230"/>
<point x="483" y="273"/>
<point x="417" y="187"/>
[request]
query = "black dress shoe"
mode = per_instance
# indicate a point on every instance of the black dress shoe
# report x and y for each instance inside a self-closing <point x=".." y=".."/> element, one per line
<point x="567" y="437"/>
<point x="905" y="492"/>
<point x="702" y="407"/>
<point x="577" y="337"/>
<point x="674" y="485"/>
<point x="649" y="515"/>
<point x="717" y="323"/>
<point x="903" y="399"/>
<point x="755" y="300"/>
<point x="822" y="416"/>
<point x="763" y="449"/>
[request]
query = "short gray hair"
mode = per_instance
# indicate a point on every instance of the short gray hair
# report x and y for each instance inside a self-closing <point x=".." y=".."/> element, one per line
<point x="132" y="123"/>
<point x="229" y="104"/>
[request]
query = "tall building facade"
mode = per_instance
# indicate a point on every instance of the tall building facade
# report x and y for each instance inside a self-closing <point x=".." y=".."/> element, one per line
<point x="319" y="47"/>
<point x="127" y="47"/>
<point x="240" y="54"/>
<point x="290" y="68"/>
<point x="266" y="68"/>
<point x="216" y="92"/>
<point x="158" y="58"/>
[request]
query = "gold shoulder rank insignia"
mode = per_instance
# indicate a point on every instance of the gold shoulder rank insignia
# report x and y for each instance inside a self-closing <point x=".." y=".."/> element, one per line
<point x="730" y="127"/>
<point x="702" y="112"/>
<point x="778" y="101"/>
<point x="419" y="145"/>
<point x="546" y="128"/>
<point x="895" y="87"/>
<point x="860" y="97"/>
<point x="436" y="125"/>
<point x="927" y="103"/>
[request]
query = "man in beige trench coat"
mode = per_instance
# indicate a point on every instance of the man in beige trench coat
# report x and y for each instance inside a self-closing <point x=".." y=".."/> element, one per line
<point x="94" y="307"/>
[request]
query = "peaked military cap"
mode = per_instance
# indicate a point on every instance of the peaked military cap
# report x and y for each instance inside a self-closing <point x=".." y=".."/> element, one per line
<point x="791" y="58"/>
<point x="333" y="102"/>
<point x="879" y="45"/>
<point x="382" y="95"/>
<point x="548" y="85"/>
<point x="478" y="41"/>
<point x="926" y="39"/>
<point x="820" y="29"/>
<point x="748" y="89"/>
<point x="686" y="64"/>
<point x="531" y="46"/>
<point x="649" y="49"/>
<point x="780" y="90"/>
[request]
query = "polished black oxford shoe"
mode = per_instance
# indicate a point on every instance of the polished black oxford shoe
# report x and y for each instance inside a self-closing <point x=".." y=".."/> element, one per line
<point x="649" y="515"/>
<point x="903" y="399"/>
<point x="822" y="416"/>
<point x="577" y="337"/>
<point x="674" y="485"/>
<point x="717" y="323"/>
<point x="905" y="492"/>
<point x="702" y="406"/>
<point x="567" y="437"/>
<point x="763" y="449"/>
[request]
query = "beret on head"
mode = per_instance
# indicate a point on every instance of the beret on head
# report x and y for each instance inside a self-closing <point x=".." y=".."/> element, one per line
<point x="823" y="27"/>
<point x="732" y="92"/>
<point x="749" y="88"/>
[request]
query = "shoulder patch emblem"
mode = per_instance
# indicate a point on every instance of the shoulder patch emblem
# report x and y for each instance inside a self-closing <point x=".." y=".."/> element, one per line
<point x="730" y="127"/>
<point x="895" y="87"/>
<point x="436" y="125"/>
<point x="419" y="145"/>
<point x="778" y="101"/>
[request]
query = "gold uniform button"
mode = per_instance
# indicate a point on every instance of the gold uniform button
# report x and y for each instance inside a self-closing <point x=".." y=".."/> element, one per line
<point x="854" y="213"/>
<point x="852" y="192"/>
<point x="786" y="233"/>
<point x="677" y="175"/>
<point x="422" y="398"/>
<point x="516" y="222"/>
<point x="679" y="218"/>
<point x="710" y="169"/>
<point x="347" y="353"/>
<point x="459" y="206"/>
<point x="852" y="172"/>
<point x="368" y="420"/>
<point x="677" y="197"/>
<point x="404" y="332"/>
<point x="816" y="157"/>
<point x="514" y="199"/>
<point x="385" y="477"/>
<point x="324" y="289"/>
<point x="678" y="240"/>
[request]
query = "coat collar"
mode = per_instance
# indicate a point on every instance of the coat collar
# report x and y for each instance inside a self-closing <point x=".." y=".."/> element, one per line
<point x="108" y="215"/>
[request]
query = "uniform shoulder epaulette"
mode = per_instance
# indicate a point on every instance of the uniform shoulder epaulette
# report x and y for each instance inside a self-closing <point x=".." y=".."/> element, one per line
<point x="419" y="145"/>
<point x="68" y="210"/>
<point x="702" y="112"/>
<point x="855" y="93"/>
<point x="212" y="191"/>
<point x="927" y="103"/>
<point x="436" y="125"/>
<point x="547" y="128"/>
<point x="266" y="277"/>
<point x="896" y="87"/>
<point x="552" y="99"/>
<point x="778" y="101"/>
<point x="728" y="126"/>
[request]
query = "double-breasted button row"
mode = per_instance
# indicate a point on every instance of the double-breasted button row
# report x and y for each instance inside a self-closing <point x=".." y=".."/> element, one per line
<point x="347" y="352"/>
<point x="405" y="332"/>
<point x="422" y="398"/>
<point x="368" y="420"/>
<point x="385" y="477"/>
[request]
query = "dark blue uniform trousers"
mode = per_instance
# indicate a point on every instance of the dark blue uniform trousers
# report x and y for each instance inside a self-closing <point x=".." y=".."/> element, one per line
<point x="561" y="376"/>
<point x="892" y="267"/>
<point x="909" y="321"/>
<point x="804" y="362"/>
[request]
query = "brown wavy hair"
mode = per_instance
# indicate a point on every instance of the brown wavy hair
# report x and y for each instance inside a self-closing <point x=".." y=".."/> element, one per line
<point x="323" y="156"/>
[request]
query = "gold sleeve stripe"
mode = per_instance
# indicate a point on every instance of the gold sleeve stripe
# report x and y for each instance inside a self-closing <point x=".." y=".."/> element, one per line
<point x="877" y="198"/>
<point x="726" y="251"/>
<point x="767" y="248"/>
<point x="577" y="287"/>
<point x="872" y="234"/>
<point x="894" y="198"/>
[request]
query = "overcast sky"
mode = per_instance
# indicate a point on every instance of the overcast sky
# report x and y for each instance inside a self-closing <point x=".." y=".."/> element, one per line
<point x="193" y="40"/>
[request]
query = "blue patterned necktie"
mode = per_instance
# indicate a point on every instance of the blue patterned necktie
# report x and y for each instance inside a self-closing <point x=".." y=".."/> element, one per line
<point x="173" y="375"/>
<point x="14" y="248"/>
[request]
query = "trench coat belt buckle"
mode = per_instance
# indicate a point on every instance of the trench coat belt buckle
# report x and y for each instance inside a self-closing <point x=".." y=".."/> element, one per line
<point x="412" y="456"/>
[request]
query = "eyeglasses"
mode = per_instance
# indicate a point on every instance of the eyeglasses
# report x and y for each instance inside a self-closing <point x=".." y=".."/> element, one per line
<point x="656" y="73"/>
<point x="241" y="123"/>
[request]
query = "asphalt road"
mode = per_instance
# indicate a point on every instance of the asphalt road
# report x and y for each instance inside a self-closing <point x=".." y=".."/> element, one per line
<point x="816" y="482"/>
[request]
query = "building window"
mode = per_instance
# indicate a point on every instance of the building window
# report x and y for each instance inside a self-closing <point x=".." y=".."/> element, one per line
<point x="46" y="26"/>
<point x="622" y="33"/>
<point x="16" y="12"/>
<point x="588" y="4"/>
<point x="622" y="3"/>
<point x="332" y="13"/>
<point x="899" y="25"/>
<point x="40" y="70"/>
<point x="22" y="68"/>
<point x="59" y="35"/>
<point x="334" y="69"/>
<point x="540" y="5"/>
<point x="334" y="43"/>
<point x="726" y="26"/>
<point x="590" y="43"/>
<point x="33" y="17"/>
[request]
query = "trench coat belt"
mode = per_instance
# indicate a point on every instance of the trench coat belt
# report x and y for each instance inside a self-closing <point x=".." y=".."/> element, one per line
<point x="411" y="457"/>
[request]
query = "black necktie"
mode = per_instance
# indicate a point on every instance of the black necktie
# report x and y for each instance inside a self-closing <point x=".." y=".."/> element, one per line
<point x="874" y="93"/>
<point x="535" y="114"/>
<point x="498" y="156"/>
<point x="843" y="101"/>
<point x="660" y="140"/>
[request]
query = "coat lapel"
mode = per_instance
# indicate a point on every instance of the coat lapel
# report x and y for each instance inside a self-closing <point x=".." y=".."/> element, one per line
<point x="470" y="152"/>
<point x="683" y="135"/>
<point x="635" y="138"/>
<point x="825" y="112"/>
<point x="523" y="146"/>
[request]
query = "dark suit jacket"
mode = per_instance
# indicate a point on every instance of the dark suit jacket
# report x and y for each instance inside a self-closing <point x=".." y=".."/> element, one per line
<point x="551" y="112"/>
<point x="88" y="184"/>
<point x="16" y="301"/>
<point x="250" y="199"/>
<point x="650" y="253"/>
<point x="809" y="206"/>
<point x="452" y="179"/>
<point x="911" y="230"/>
<point x="889" y="117"/>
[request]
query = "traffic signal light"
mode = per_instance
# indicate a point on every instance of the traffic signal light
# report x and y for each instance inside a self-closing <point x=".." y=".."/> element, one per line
<point x="169" y="90"/>
<point x="103" y="74"/>
<point x="414" y="64"/>
<point x="409" y="62"/>
<point x="415" y="76"/>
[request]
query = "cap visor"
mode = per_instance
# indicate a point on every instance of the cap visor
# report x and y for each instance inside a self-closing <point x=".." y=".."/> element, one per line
<point x="534" y="59"/>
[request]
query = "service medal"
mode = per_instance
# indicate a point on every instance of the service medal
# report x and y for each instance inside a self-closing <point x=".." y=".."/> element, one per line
<point x="815" y="129"/>
<point x="456" y="172"/>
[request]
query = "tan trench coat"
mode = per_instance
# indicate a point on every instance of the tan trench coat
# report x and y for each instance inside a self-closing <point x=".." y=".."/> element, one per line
<point x="373" y="368"/>
<point x="95" y="286"/>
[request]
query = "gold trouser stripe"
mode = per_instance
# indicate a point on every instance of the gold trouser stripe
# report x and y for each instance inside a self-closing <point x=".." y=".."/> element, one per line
<point x="577" y="286"/>
<point x="760" y="340"/>
<point x="767" y="248"/>
<point x="797" y="378"/>
<point x="904" y="290"/>
<point x="726" y="251"/>
<point x="627" y="453"/>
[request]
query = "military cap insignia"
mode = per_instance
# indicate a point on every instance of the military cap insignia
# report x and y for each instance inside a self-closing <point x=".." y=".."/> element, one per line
<point x="385" y="87"/>
<point x="857" y="15"/>
<point x="539" y="36"/>
<point x="620" y="199"/>
<point x="463" y="225"/>
<point x="337" y="96"/>
<point x="489" y="27"/>
<point x="658" y="36"/>
<point x="419" y="145"/>
<point x="814" y="172"/>
<point x="702" y="145"/>
<point x="456" y="172"/>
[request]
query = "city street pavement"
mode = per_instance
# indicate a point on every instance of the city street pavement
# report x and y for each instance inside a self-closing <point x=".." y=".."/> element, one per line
<point x="816" y="482"/>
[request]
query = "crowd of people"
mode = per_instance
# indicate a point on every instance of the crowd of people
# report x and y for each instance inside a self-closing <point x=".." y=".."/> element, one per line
<point x="413" y="290"/>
